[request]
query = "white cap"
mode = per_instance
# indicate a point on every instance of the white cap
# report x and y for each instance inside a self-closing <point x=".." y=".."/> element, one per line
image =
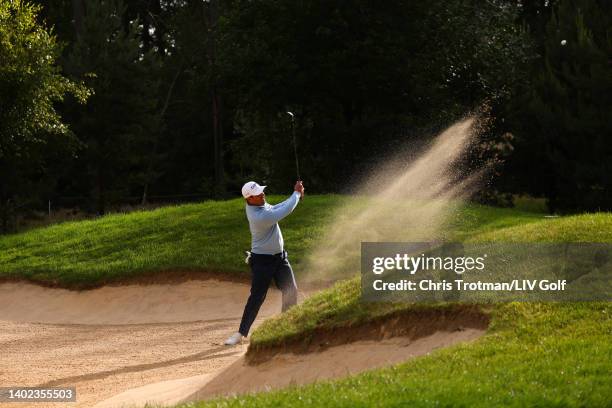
<point x="252" y="189"/>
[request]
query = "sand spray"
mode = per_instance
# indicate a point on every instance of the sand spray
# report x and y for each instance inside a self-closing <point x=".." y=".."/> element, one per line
<point x="406" y="199"/>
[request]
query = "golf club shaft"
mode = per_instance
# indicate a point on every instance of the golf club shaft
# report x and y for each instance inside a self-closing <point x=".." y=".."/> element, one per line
<point x="297" y="164"/>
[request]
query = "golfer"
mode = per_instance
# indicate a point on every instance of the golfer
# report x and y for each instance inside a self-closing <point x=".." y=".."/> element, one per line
<point x="268" y="259"/>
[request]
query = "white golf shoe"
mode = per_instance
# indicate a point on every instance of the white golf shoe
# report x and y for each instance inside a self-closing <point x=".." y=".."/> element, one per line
<point x="234" y="339"/>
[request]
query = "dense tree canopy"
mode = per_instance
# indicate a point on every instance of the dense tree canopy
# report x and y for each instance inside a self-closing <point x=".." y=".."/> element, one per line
<point x="30" y="84"/>
<point x="362" y="75"/>
<point x="563" y="123"/>
<point x="117" y="126"/>
<point x="189" y="97"/>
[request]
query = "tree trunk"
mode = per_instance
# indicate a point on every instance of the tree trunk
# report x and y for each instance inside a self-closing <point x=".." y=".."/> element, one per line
<point x="213" y="17"/>
<point x="149" y="172"/>
<point x="218" y="144"/>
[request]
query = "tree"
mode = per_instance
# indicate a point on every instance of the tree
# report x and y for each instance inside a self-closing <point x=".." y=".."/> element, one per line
<point x="212" y="25"/>
<point x="564" y="132"/>
<point x="363" y="75"/>
<point x="117" y="127"/>
<point x="191" y="152"/>
<point x="30" y="84"/>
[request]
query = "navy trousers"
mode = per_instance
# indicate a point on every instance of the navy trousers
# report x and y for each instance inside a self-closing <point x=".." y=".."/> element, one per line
<point x="264" y="269"/>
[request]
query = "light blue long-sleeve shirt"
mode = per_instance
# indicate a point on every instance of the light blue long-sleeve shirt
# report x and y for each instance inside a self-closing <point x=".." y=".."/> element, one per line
<point x="266" y="236"/>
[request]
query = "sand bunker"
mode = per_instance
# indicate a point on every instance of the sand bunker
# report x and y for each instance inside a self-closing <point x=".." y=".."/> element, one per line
<point x="164" y="393"/>
<point x="297" y="369"/>
<point x="290" y="369"/>
<point x="162" y="344"/>
<point x="108" y="340"/>
<point x="130" y="304"/>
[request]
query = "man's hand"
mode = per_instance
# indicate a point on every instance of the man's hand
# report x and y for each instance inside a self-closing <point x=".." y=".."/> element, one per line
<point x="299" y="187"/>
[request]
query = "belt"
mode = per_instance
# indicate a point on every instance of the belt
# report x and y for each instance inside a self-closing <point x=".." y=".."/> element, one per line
<point x="280" y="255"/>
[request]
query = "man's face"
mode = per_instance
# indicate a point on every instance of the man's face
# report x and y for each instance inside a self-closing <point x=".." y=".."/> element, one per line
<point x="257" y="200"/>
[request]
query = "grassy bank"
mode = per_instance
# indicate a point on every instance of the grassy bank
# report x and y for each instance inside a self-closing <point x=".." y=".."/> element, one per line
<point x="209" y="236"/>
<point x="534" y="354"/>
<point x="549" y="355"/>
<point x="341" y="306"/>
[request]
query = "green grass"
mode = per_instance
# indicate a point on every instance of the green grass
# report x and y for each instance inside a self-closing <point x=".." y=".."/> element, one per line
<point x="534" y="354"/>
<point x="207" y="236"/>
<point x="595" y="227"/>
<point x="338" y="307"/>
<point x="531" y="204"/>
<point x="544" y="355"/>
<point x="341" y="305"/>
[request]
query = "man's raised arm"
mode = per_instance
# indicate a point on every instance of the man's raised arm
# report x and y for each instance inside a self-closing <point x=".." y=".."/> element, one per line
<point x="281" y="210"/>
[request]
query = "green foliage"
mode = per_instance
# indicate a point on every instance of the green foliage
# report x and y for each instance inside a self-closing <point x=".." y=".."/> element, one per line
<point x="564" y="128"/>
<point x="365" y="79"/>
<point x="363" y="76"/>
<point x="30" y="85"/>
<point x="187" y="142"/>
<point x="117" y="127"/>
<point x="30" y="81"/>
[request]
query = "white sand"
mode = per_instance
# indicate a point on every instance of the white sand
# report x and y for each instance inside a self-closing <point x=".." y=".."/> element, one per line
<point x="130" y="304"/>
<point x="108" y="340"/>
<point x="162" y="344"/>
<point x="289" y="369"/>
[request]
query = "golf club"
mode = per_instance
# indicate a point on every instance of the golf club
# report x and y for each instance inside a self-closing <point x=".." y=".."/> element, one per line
<point x="297" y="165"/>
